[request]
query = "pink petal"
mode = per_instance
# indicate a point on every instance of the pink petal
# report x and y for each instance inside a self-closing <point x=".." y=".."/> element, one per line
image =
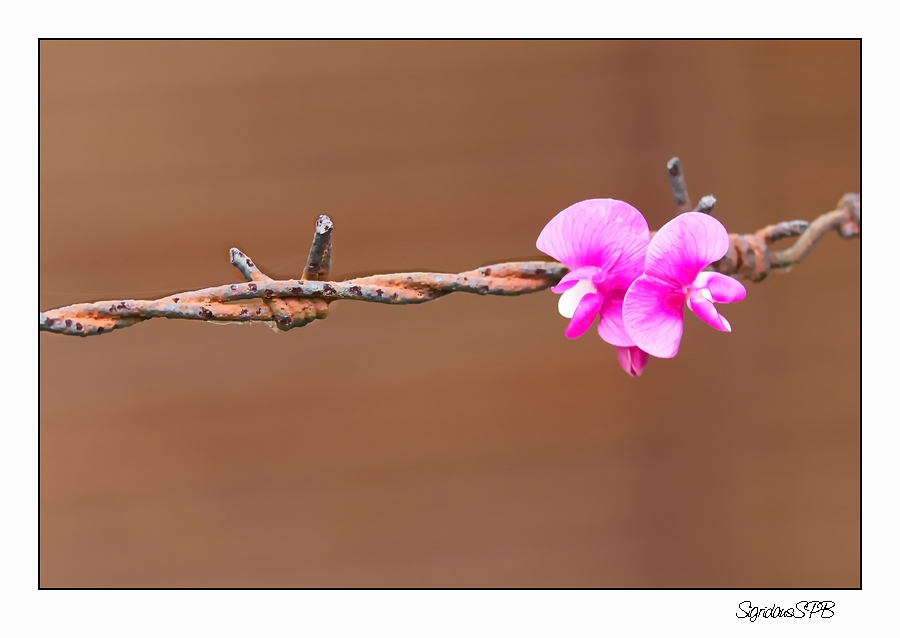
<point x="590" y="273"/>
<point x="722" y="288"/>
<point x="605" y="233"/>
<point x="706" y="310"/>
<point x="685" y="246"/>
<point x="654" y="316"/>
<point x="632" y="360"/>
<point x="612" y="325"/>
<point x="584" y="315"/>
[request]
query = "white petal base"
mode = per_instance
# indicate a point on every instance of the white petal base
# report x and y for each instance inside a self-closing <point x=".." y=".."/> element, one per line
<point x="569" y="300"/>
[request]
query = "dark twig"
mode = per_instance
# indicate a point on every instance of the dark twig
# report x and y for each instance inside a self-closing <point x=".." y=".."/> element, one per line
<point x="293" y="303"/>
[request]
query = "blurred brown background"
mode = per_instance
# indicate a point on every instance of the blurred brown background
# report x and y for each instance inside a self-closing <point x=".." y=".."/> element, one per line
<point x="463" y="442"/>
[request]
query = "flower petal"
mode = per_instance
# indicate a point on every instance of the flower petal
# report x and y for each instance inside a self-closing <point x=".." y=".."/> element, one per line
<point x="632" y="360"/>
<point x="606" y="233"/>
<point x="584" y="315"/>
<point x="706" y="310"/>
<point x="591" y="273"/>
<point x="569" y="300"/>
<point x="722" y="288"/>
<point x="685" y="246"/>
<point x="612" y="325"/>
<point x="653" y="312"/>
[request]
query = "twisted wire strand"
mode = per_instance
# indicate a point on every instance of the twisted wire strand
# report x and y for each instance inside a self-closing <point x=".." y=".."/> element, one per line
<point x="269" y="300"/>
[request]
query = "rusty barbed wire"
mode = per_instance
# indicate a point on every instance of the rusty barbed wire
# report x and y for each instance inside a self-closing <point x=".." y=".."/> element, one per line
<point x="292" y="303"/>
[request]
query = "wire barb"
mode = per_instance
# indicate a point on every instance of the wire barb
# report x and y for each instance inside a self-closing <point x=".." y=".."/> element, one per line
<point x="679" y="186"/>
<point x="706" y="204"/>
<point x="318" y="264"/>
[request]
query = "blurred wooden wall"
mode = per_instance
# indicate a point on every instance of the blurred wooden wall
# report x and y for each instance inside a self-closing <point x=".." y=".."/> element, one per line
<point x="463" y="442"/>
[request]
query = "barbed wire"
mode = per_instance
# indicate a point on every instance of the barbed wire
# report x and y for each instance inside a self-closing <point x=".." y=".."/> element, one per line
<point x="292" y="303"/>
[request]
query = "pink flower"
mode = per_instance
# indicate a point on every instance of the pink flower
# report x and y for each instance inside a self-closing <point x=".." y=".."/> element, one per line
<point x="654" y="304"/>
<point x="602" y="242"/>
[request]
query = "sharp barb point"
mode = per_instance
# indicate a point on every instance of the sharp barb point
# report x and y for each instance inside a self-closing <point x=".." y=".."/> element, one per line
<point x="679" y="186"/>
<point x="706" y="204"/>
<point x="318" y="264"/>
